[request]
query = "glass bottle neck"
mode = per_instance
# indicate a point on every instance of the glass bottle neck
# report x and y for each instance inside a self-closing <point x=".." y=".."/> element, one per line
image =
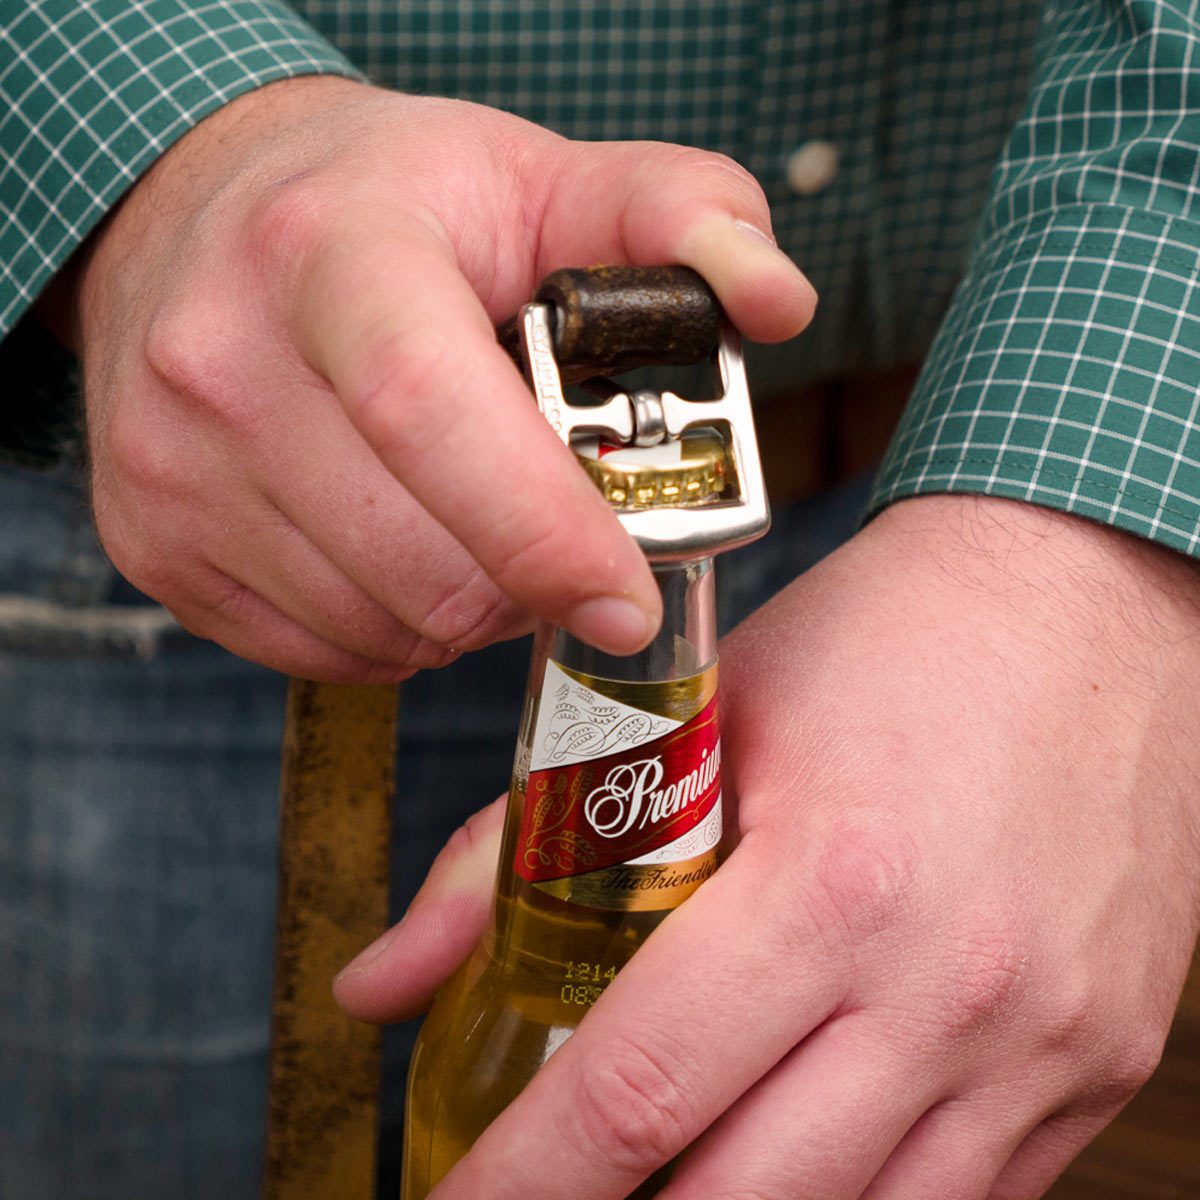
<point x="685" y="644"/>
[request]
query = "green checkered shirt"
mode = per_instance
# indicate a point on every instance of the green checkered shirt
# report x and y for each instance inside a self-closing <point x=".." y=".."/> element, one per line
<point x="1014" y="199"/>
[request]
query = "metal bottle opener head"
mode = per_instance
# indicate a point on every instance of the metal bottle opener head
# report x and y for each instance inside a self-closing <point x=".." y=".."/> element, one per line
<point x="645" y="418"/>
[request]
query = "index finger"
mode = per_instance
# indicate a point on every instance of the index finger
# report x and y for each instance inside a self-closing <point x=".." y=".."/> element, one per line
<point x="386" y="316"/>
<point x="667" y="1048"/>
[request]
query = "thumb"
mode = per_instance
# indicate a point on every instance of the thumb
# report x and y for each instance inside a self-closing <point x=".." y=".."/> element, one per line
<point x="396" y="976"/>
<point x="649" y="203"/>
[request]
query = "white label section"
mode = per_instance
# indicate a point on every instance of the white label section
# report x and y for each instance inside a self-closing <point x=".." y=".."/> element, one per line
<point x="576" y="724"/>
<point x="695" y="842"/>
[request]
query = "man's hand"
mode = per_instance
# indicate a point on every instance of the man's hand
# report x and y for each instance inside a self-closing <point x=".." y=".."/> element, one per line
<point x="304" y="439"/>
<point x="948" y="944"/>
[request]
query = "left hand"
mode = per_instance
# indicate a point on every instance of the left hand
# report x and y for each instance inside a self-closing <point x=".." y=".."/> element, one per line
<point x="949" y="943"/>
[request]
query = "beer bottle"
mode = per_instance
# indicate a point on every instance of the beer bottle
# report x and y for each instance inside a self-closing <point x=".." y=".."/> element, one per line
<point x="614" y="818"/>
<point x="614" y="810"/>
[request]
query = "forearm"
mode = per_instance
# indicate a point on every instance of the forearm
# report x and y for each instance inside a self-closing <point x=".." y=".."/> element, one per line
<point x="1082" y="620"/>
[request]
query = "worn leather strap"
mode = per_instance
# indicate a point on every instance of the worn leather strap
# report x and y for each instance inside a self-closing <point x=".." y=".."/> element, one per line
<point x="613" y="319"/>
<point x="334" y="842"/>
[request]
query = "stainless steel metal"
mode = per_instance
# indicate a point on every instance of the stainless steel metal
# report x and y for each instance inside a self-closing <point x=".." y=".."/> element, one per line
<point x="613" y="418"/>
<point x="649" y="420"/>
<point x="664" y="533"/>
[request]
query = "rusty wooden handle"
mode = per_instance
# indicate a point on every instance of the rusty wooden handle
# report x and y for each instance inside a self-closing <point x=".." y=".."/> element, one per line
<point x="613" y="319"/>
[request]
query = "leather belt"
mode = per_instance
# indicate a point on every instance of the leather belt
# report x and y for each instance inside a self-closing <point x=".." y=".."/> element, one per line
<point x="827" y="433"/>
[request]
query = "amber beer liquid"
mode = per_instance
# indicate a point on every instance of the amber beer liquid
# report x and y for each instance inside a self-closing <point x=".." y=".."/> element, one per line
<point x="614" y="819"/>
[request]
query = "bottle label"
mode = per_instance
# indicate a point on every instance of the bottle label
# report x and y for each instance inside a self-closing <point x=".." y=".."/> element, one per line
<point x="623" y="801"/>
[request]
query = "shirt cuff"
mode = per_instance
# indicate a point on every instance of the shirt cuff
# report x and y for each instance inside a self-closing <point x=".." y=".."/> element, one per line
<point x="93" y="92"/>
<point x="1067" y="374"/>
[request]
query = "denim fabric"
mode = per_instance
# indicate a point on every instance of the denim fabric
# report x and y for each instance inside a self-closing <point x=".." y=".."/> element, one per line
<point x="138" y="779"/>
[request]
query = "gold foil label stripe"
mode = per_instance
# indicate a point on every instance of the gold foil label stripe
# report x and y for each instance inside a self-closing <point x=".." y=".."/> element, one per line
<point x="634" y="886"/>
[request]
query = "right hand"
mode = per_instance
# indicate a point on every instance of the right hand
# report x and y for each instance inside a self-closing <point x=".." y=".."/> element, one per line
<point x="961" y="899"/>
<point x="304" y="439"/>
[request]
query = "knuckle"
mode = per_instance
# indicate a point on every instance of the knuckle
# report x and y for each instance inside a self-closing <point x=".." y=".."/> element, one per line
<point x="541" y="545"/>
<point x="865" y="882"/>
<point x="136" y="459"/>
<point x="289" y="221"/>
<point x="468" y="616"/>
<point x="981" y="977"/>
<point x="723" y="175"/>
<point x="198" y="360"/>
<point x="1074" y="1021"/>
<point x="187" y="351"/>
<point x="718" y="165"/>
<point x="395" y="376"/>
<point x="210" y="604"/>
<point x="226" y="602"/>
<point x="349" y="619"/>
<point x="193" y="593"/>
<point x="1131" y="1066"/>
<point x="633" y="1111"/>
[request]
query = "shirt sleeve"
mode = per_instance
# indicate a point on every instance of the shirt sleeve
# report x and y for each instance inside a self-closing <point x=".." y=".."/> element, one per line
<point x="1067" y="371"/>
<point x="93" y="91"/>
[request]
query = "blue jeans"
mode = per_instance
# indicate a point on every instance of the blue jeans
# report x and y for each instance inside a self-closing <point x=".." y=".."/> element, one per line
<point x="138" y="783"/>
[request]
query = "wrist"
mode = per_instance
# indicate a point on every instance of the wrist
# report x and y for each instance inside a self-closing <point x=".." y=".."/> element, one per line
<point x="1100" y="626"/>
<point x="1115" y="588"/>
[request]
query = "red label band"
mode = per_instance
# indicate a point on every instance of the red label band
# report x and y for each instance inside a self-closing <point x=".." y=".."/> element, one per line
<point x="592" y="815"/>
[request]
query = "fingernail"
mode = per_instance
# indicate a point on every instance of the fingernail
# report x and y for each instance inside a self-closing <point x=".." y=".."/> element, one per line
<point x="753" y="231"/>
<point x="764" y="243"/>
<point x="720" y="245"/>
<point x="366" y="957"/>
<point x="612" y="624"/>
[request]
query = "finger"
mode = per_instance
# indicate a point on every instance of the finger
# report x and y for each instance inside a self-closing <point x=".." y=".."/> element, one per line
<point x="264" y="547"/>
<point x="397" y="975"/>
<point x="957" y="1149"/>
<point x="822" y="1123"/>
<point x="370" y="527"/>
<point x="658" y="204"/>
<point x="422" y="378"/>
<point x="226" y="611"/>
<point x="664" y="1051"/>
<point x="1045" y="1154"/>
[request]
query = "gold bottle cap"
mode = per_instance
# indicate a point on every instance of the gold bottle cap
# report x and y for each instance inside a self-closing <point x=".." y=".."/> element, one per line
<point x="672" y="474"/>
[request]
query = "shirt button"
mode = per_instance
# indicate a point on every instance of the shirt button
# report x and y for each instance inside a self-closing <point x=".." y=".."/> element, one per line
<point x="811" y="168"/>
